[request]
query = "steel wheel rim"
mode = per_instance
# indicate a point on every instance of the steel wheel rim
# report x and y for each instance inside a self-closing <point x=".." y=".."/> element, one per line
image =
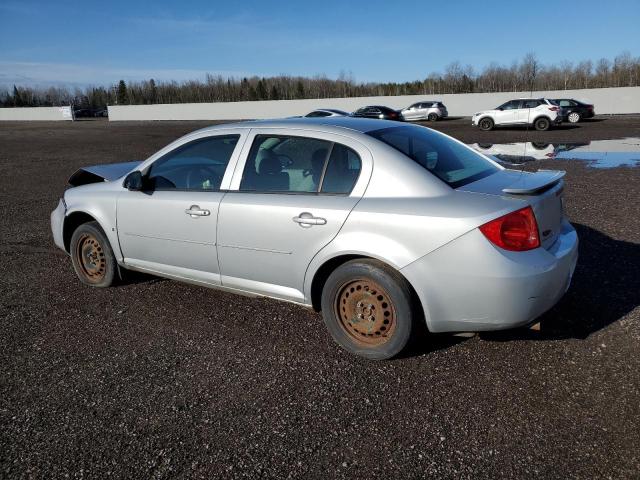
<point x="365" y="312"/>
<point x="573" y="117"/>
<point x="542" y="124"/>
<point x="90" y="258"/>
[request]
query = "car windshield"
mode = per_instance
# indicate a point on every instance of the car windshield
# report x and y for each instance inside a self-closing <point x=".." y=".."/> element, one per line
<point x="450" y="161"/>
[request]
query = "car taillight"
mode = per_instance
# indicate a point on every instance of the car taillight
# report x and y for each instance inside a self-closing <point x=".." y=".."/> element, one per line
<point x="554" y="109"/>
<point x="516" y="231"/>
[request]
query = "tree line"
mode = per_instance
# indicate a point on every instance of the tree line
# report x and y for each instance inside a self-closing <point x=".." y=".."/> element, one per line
<point x="524" y="75"/>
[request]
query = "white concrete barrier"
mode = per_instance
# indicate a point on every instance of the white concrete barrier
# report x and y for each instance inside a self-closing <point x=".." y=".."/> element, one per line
<point x="36" y="113"/>
<point x="607" y="101"/>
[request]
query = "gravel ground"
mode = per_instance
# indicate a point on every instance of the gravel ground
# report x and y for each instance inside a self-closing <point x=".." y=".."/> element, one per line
<point x="155" y="379"/>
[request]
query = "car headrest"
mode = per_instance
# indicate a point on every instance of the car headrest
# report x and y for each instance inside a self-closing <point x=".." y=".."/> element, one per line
<point x="269" y="163"/>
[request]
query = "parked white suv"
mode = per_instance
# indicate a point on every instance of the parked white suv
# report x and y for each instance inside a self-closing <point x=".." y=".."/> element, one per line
<point x="427" y="110"/>
<point x="541" y="113"/>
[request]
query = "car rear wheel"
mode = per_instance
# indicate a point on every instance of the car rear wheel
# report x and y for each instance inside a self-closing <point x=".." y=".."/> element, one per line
<point x="541" y="124"/>
<point x="574" y="117"/>
<point x="92" y="257"/>
<point x="486" y="124"/>
<point x="432" y="117"/>
<point x="367" y="308"/>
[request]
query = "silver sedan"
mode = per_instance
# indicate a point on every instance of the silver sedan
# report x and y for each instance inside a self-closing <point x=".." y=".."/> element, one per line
<point x="382" y="227"/>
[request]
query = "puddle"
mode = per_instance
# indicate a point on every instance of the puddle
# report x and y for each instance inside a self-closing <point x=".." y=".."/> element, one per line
<point x="623" y="152"/>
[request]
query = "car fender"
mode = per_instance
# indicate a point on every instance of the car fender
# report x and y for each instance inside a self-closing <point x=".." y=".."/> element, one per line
<point x="97" y="200"/>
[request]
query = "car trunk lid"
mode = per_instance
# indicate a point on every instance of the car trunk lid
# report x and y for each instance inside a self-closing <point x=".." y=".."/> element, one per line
<point x="542" y="190"/>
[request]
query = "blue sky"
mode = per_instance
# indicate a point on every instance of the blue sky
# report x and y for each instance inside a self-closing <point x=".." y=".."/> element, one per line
<point x="94" y="42"/>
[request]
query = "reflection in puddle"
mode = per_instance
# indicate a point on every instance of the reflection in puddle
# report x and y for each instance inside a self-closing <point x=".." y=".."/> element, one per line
<point x="599" y="153"/>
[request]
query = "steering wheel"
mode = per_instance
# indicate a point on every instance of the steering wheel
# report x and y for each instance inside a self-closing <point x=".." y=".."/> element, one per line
<point x="196" y="181"/>
<point x="285" y="160"/>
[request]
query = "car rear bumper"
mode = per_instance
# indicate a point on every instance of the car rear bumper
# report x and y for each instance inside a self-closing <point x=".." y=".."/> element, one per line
<point x="471" y="285"/>
<point x="57" y="224"/>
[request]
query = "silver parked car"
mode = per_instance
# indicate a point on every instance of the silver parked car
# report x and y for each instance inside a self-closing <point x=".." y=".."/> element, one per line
<point x="430" y="110"/>
<point x="381" y="226"/>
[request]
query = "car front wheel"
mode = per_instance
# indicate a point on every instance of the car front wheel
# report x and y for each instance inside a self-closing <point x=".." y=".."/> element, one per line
<point x="92" y="257"/>
<point x="486" y="124"/>
<point x="368" y="310"/>
<point x="574" y="117"/>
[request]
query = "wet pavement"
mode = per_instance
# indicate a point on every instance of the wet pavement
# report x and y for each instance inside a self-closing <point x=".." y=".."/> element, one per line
<point x="616" y="153"/>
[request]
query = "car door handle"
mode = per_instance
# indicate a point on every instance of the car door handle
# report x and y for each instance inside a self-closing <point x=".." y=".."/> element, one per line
<point x="306" y="219"/>
<point x="195" y="211"/>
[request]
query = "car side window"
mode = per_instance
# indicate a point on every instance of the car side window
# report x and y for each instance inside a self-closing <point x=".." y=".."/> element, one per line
<point x="530" y="103"/>
<point x="284" y="164"/>
<point x="511" y="105"/>
<point x="290" y="164"/>
<point x="342" y="170"/>
<point x="197" y="165"/>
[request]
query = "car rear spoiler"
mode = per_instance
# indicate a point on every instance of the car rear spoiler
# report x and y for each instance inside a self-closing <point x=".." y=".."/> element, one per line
<point x="101" y="173"/>
<point x="535" y="182"/>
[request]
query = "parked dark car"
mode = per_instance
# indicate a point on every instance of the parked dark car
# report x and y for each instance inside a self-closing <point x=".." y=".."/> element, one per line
<point x="573" y="111"/>
<point x="378" y="111"/>
<point x="82" y="113"/>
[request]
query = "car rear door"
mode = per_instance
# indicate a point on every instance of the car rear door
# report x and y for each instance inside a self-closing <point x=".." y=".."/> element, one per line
<point x="170" y="227"/>
<point x="290" y="195"/>
<point x="525" y="112"/>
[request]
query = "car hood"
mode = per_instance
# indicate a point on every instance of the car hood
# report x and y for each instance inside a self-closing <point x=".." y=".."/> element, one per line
<point x="483" y="112"/>
<point x="101" y="173"/>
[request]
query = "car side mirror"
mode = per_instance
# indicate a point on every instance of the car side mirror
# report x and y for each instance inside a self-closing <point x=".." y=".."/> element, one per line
<point x="134" y="181"/>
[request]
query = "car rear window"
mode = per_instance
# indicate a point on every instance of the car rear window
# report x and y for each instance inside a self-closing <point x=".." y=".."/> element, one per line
<point x="450" y="161"/>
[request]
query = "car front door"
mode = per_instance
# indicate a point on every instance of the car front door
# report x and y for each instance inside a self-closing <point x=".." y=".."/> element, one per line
<point x="413" y="112"/>
<point x="170" y="226"/>
<point x="506" y="113"/>
<point x="289" y="198"/>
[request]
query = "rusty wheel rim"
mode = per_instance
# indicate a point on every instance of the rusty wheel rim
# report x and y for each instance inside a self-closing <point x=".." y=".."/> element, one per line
<point x="91" y="259"/>
<point x="365" y="312"/>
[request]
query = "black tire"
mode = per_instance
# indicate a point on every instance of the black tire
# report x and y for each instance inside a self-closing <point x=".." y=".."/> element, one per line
<point x="542" y="124"/>
<point x="92" y="257"/>
<point x="574" y="117"/>
<point x="485" y="124"/>
<point x="432" y="117"/>
<point x="377" y="321"/>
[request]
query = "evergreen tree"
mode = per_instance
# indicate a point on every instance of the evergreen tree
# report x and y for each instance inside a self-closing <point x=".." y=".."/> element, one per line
<point x="261" y="91"/>
<point x="17" y="99"/>
<point x="153" y="91"/>
<point x="122" y="95"/>
<point x="274" y="95"/>
<point x="299" y="89"/>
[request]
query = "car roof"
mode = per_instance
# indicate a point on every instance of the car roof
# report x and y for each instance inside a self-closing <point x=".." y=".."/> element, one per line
<point x="327" y="124"/>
